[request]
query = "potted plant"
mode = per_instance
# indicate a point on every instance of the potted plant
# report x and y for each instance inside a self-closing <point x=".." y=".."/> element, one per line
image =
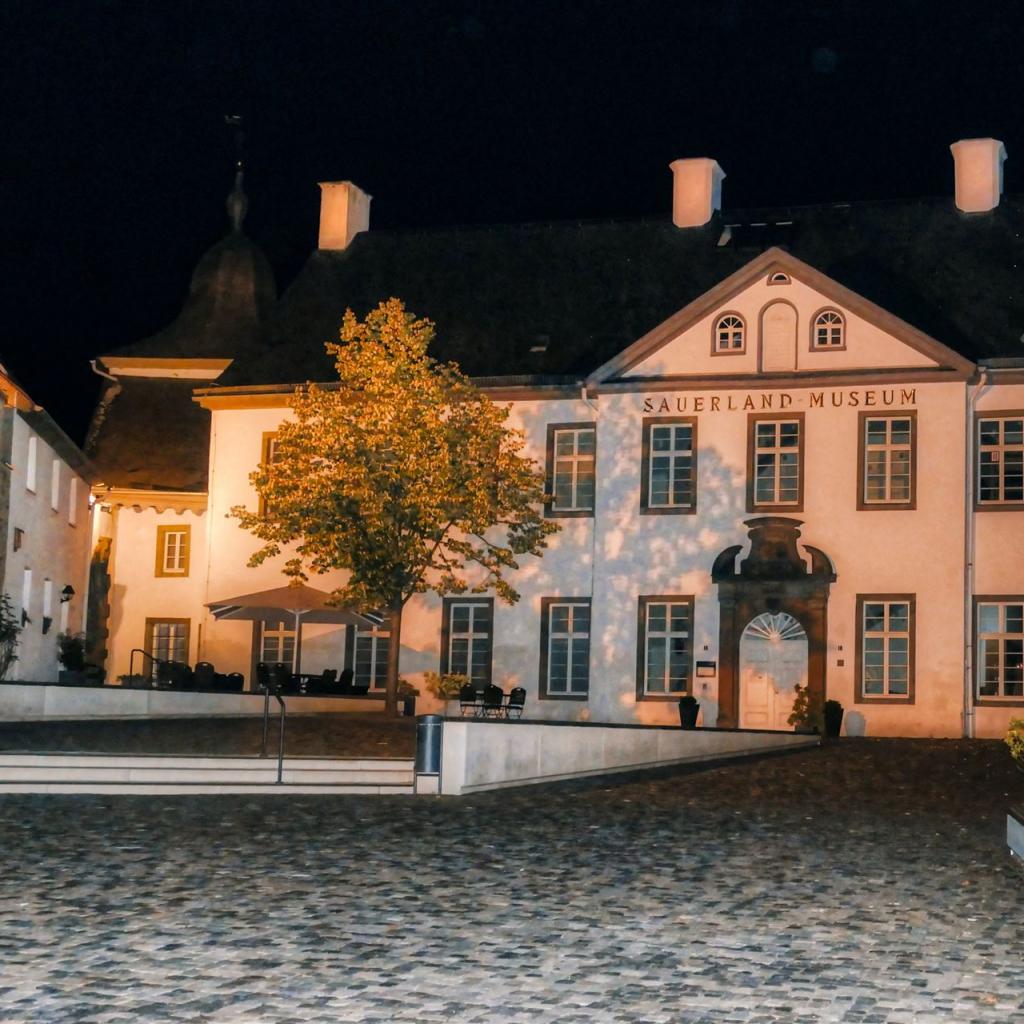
<point x="9" y="630"/>
<point x="71" y="654"/>
<point x="444" y="687"/>
<point x="807" y="714"/>
<point x="407" y="694"/>
<point x="689" y="706"/>
<point x="1015" y="741"/>
<point x="833" y="718"/>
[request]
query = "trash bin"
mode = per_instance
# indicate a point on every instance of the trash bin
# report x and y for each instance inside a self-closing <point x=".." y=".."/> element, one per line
<point x="428" y="744"/>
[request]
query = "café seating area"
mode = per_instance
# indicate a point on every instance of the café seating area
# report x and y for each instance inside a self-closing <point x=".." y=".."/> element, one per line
<point x="491" y="701"/>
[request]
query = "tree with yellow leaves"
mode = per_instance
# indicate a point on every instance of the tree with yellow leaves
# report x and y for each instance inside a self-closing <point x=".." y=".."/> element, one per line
<point x="402" y="473"/>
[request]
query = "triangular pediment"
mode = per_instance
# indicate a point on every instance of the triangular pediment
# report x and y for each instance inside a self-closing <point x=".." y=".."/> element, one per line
<point x="774" y="303"/>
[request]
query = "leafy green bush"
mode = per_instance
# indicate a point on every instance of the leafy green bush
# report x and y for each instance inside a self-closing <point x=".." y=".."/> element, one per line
<point x="1015" y="740"/>
<point x="808" y="712"/>
<point x="444" y="687"/>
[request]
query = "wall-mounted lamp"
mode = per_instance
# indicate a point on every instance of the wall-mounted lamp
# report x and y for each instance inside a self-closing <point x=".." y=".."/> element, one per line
<point x="66" y="594"/>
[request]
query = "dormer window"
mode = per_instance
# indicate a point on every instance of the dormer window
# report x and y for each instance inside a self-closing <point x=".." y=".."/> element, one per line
<point x="779" y="278"/>
<point x="730" y="334"/>
<point x="828" y="330"/>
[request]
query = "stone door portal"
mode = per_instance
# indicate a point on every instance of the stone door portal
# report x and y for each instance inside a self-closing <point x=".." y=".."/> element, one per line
<point x="773" y="662"/>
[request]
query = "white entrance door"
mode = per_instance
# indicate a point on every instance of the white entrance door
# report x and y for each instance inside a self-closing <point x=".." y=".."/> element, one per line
<point x="773" y="660"/>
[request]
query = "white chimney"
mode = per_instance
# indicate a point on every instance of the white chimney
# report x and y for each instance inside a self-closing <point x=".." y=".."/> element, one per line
<point x="696" y="191"/>
<point x="978" y="172"/>
<point x="344" y="212"/>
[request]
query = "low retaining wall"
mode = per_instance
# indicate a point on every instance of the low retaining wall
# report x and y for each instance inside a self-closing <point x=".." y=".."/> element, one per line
<point x="35" y="702"/>
<point x="479" y="755"/>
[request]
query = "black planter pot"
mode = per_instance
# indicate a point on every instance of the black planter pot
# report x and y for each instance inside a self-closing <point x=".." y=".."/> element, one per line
<point x="833" y="721"/>
<point x="688" y="714"/>
<point x="409" y="707"/>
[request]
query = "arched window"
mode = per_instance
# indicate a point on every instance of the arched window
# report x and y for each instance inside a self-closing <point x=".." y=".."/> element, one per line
<point x="829" y="330"/>
<point x="730" y="333"/>
<point x="779" y="278"/>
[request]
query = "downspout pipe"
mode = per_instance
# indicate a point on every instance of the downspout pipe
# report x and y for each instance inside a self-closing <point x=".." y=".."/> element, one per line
<point x="970" y="520"/>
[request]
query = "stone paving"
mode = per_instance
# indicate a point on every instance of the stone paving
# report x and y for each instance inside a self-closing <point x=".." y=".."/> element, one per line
<point x="863" y="882"/>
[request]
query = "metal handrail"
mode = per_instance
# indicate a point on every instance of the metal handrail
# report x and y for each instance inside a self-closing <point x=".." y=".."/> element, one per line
<point x="145" y="654"/>
<point x="280" y="729"/>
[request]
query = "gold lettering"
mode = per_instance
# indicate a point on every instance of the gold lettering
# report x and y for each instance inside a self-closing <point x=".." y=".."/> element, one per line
<point x="680" y="404"/>
<point x="837" y="399"/>
<point x="731" y="404"/>
<point x="817" y="399"/>
<point x="785" y="401"/>
<point x="714" y="403"/>
<point x="854" y="398"/>
<point x="869" y="398"/>
<point x="888" y="397"/>
<point x="766" y="401"/>
<point x="663" y="407"/>
<point x="698" y="405"/>
<point x="749" y="403"/>
<point x="648" y="405"/>
<point x="908" y="397"/>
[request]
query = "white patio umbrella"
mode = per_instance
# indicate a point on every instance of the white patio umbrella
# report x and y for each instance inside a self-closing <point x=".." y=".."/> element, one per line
<point x="297" y="602"/>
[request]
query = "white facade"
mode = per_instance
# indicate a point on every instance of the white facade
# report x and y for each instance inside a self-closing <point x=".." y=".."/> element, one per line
<point x="894" y="636"/>
<point x="45" y="534"/>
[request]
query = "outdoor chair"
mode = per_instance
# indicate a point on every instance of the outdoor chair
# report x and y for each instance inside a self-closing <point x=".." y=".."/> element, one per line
<point x="204" y="675"/>
<point x="345" y="680"/>
<point x="493" y="700"/>
<point x="262" y="676"/>
<point x="280" y="678"/>
<point x="514" y="704"/>
<point x="233" y="682"/>
<point x="470" y="702"/>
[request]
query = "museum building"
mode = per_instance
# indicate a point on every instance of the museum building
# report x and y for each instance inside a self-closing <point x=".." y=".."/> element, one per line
<point x="783" y="446"/>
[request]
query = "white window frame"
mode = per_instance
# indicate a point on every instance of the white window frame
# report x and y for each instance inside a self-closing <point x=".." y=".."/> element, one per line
<point x="55" y="484"/>
<point x="775" y="451"/>
<point x="888" y="450"/>
<point x="26" y="591"/>
<point x="1000" y="638"/>
<point x="478" y="610"/>
<point x="1000" y="455"/>
<point x="278" y="635"/>
<point x="574" y="464"/>
<point x="665" y="637"/>
<point x="682" y="463"/>
<point x="730" y="334"/>
<point x="378" y="667"/>
<point x="174" y="558"/>
<point x="73" y="501"/>
<point x="887" y="635"/>
<point x="829" y="330"/>
<point x="578" y="632"/>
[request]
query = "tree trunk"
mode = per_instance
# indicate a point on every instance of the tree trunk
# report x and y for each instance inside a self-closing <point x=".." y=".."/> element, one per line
<point x="394" y="651"/>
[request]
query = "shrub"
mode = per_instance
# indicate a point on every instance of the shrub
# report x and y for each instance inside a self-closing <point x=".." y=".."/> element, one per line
<point x="10" y="628"/>
<point x="1015" y="740"/>
<point x="444" y="687"/>
<point x="808" y="712"/>
<point x="71" y="651"/>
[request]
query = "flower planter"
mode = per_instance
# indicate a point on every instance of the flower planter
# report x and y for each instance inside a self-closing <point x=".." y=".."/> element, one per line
<point x="688" y="711"/>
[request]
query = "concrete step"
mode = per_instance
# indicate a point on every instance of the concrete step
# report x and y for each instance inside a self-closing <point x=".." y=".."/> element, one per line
<point x="103" y="773"/>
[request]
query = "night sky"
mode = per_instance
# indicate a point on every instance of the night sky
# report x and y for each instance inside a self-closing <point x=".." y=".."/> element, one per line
<point x="117" y="159"/>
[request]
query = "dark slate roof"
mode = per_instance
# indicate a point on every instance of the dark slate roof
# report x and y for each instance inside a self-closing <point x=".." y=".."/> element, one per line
<point x="231" y="295"/>
<point x="591" y="289"/>
<point x="151" y="435"/>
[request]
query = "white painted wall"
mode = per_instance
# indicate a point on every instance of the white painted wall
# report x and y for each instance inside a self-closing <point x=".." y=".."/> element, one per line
<point x="53" y="549"/>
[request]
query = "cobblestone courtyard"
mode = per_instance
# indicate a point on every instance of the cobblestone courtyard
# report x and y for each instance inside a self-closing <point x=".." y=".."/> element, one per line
<point x="866" y="881"/>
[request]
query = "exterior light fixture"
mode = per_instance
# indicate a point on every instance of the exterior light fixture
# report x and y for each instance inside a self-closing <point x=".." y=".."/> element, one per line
<point x="66" y="594"/>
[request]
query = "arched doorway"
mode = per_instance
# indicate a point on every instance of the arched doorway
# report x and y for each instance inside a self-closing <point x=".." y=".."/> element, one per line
<point x="773" y="662"/>
<point x="775" y="583"/>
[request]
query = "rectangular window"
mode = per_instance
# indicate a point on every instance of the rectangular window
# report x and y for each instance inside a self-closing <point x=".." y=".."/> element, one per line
<point x="1001" y="461"/>
<point x="775" y="472"/>
<point x="277" y="643"/>
<point x="172" y="550"/>
<point x="26" y="593"/>
<point x="19" y="538"/>
<point x="885" y="648"/>
<point x="30" y="465"/>
<point x="370" y="658"/>
<point x="571" y="457"/>
<point x="73" y="501"/>
<point x="999" y="663"/>
<point x="565" y="648"/>
<point x="466" y="638"/>
<point x="669" y="469"/>
<point x="268" y="454"/>
<point x="167" y="639"/>
<point x="664" y="647"/>
<point x="887" y="461"/>
<point x="55" y="485"/>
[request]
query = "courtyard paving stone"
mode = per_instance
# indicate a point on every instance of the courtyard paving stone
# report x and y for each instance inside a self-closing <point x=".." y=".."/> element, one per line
<point x="866" y="881"/>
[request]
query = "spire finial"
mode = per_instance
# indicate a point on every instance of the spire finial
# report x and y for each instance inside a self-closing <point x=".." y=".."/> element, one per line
<point x="237" y="202"/>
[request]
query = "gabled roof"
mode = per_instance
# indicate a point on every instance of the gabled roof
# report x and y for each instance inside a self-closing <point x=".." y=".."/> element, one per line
<point x="588" y="291"/>
<point x="772" y="261"/>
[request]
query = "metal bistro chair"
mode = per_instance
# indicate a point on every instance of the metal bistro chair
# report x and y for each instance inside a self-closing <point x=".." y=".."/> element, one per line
<point x="469" y="703"/>
<point x="280" y="678"/>
<point x="262" y="676"/>
<point x="205" y="676"/>
<point x="494" y="699"/>
<point x="515" y="703"/>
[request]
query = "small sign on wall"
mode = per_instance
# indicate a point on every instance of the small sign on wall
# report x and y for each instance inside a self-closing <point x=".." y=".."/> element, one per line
<point x="707" y="668"/>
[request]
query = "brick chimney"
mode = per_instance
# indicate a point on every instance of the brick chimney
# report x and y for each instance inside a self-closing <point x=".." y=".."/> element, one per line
<point x="696" y="191"/>
<point x="344" y="212"/>
<point x="978" y="174"/>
